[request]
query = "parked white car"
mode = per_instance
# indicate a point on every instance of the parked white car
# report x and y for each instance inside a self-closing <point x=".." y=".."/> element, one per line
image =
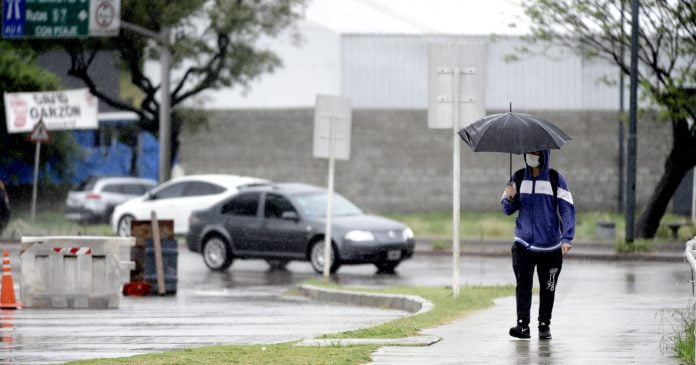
<point x="177" y="198"/>
<point x="95" y="199"/>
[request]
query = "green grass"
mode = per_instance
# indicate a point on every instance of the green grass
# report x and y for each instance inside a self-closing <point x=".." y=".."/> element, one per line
<point x="681" y="342"/>
<point x="51" y="223"/>
<point x="445" y="309"/>
<point x="622" y="246"/>
<point x="284" y="353"/>
<point x="496" y="225"/>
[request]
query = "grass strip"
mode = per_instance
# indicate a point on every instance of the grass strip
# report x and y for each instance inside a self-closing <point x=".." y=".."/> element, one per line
<point x="284" y="353"/>
<point x="445" y="309"/>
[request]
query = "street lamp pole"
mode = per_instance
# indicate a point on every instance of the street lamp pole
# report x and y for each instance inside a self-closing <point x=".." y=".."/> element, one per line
<point x="165" y="124"/>
<point x="621" y="153"/>
<point x="632" y="128"/>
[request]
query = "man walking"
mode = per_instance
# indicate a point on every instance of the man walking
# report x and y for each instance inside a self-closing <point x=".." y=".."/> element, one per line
<point x="540" y="194"/>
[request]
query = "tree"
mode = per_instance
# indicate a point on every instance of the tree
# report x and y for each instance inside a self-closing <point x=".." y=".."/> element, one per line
<point x="667" y="56"/>
<point x="215" y="45"/>
<point x="18" y="73"/>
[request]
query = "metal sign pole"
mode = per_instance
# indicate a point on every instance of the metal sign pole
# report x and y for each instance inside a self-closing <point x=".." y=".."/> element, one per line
<point x="456" y="186"/>
<point x="36" y="178"/>
<point x="693" y="197"/>
<point x="329" y="202"/>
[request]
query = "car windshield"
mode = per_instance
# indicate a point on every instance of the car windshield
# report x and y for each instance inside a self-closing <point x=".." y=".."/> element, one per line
<point x="314" y="205"/>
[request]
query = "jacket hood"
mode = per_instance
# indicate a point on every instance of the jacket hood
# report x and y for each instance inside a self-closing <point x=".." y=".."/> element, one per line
<point x="545" y="166"/>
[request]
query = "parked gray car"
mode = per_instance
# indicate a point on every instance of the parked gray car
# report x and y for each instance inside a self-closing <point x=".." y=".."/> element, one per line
<point x="284" y="222"/>
<point x="94" y="200"/>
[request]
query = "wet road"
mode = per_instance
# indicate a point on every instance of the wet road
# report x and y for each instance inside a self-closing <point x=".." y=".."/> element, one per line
<point x="620" y="305"/>
<point x="243" y="306"/>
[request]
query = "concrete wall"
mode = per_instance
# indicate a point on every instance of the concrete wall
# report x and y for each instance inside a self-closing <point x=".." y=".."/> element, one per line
<point x="399" y="165"/>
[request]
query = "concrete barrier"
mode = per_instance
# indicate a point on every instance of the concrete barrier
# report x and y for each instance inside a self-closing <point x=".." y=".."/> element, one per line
<point x="72" y="271"/>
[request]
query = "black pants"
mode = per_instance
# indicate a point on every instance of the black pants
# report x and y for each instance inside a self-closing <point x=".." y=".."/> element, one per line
<point x="548" y="266"/>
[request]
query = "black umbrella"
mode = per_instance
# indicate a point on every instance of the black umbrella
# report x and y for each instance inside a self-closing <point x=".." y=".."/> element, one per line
<point x="513" y="133"/>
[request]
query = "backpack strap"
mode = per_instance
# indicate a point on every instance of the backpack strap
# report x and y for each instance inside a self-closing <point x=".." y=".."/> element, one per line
<point x="518" y="177"/>
<point x="553" y="179"/>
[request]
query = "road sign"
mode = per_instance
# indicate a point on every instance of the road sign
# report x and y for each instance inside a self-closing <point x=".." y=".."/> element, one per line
<point x="61" y="109"/>
<point x="39" y="133"/>
<point x="468" y="62"/>
<point x="60" y="18"/>
<point x="332" y="124"/>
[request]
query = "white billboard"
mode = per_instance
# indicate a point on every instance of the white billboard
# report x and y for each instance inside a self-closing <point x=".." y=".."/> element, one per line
<point x="66" y="109"/>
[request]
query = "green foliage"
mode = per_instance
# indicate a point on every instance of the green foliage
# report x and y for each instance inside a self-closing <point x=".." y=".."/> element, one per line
<point x="214" y="44"/>
<point x="637" y="246"/>
<point x="681" y="342"/>
<point x="593" y="29"/>
<point x="51" y="224"/>
<point x="18" y="73"/>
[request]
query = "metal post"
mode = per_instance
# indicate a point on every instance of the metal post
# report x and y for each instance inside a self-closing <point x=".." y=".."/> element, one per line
<point x="329" y="203"/>
<point x="632" y="129"/>
<point x="36" y="182"/>
<point x="165" y="162"/>
<point x="456" y="177"/>
<point x="693" y="197"/>
<point x="620" y="203"/>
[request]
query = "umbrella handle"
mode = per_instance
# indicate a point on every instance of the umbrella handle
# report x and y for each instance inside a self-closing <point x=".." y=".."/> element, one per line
<point x="511" y="164"/>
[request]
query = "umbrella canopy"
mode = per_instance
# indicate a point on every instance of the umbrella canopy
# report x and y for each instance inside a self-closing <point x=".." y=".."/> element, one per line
<point x="513" y="133"/>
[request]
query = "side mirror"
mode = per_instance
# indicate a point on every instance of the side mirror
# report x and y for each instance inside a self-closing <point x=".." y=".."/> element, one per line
<point x="290" y="215"/>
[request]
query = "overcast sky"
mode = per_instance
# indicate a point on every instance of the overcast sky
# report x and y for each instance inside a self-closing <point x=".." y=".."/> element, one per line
<point x="419" y="16"/>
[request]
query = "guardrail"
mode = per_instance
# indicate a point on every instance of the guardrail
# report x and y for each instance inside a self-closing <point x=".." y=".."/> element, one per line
<point x="689" y="254"/>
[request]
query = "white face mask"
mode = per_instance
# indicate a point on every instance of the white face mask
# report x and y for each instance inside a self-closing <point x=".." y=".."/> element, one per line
<point x="532" y="160"/>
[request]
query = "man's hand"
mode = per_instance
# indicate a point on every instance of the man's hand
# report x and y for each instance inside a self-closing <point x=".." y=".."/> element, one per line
<point x="565" y="248"/>
<point x="510" y="192"/>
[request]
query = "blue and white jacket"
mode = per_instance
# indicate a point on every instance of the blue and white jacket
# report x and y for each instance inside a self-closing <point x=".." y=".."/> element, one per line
<point x="537" y="227"/>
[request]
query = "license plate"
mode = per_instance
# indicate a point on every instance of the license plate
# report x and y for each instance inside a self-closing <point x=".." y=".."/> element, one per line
<point x="393" y="255"/>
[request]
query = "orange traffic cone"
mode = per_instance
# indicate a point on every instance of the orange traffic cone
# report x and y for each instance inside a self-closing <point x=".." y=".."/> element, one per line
<point x="7" y="298"/>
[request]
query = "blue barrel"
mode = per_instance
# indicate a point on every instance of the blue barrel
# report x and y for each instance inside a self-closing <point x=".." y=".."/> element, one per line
<point x="170" y="255"/>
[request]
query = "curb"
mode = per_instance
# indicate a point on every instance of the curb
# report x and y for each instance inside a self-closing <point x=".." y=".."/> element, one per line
<point x="643" y="257"/>
<point x="409" y="303"/>
<point x="406" y="341"/>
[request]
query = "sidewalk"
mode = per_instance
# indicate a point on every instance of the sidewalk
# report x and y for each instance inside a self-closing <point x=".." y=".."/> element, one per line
<point x="663" y="252"/>
<point x="605" y="313"/>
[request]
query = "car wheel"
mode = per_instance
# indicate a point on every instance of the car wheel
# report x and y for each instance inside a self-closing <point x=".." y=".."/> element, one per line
<point x="316" y="258"/>
<point x="387" y="266"/>
<point x="277" y="264"/>
<point x="124" y="226"/>
<point x="217" y="253"/>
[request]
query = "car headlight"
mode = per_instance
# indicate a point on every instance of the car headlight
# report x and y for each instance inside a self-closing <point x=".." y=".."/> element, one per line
<point x="360" y="236"/>
<point x="408" y="234"/>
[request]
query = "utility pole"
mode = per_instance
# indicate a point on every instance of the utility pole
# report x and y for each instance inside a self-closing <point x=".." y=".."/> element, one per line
<point x="165" y="123"/>
<point x="164" y="40"/>
<point x="632" y="128"/>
